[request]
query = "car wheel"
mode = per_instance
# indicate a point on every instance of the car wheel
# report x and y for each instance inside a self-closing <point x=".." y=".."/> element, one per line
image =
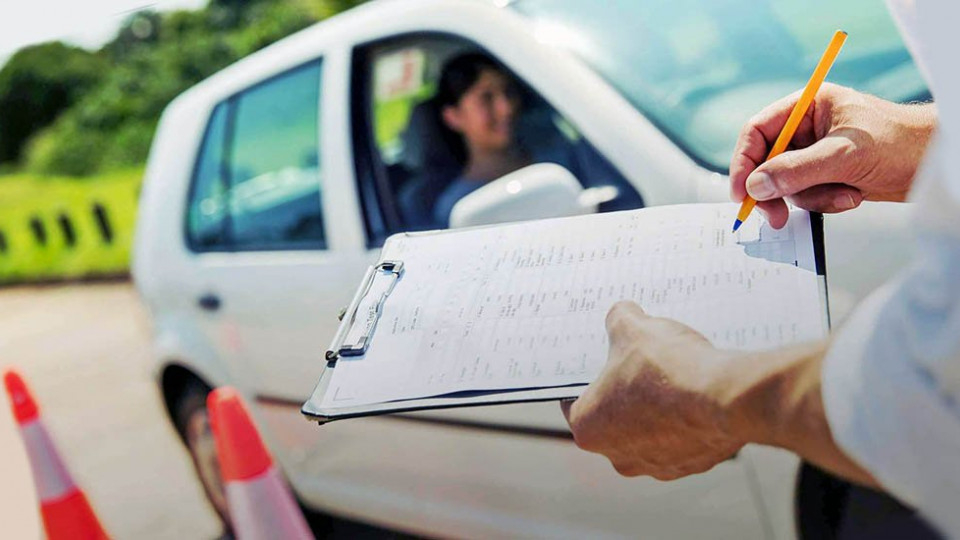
<point x="193" y="422"/>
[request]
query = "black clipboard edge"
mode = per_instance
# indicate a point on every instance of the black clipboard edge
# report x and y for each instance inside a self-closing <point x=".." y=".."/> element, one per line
<point x="819" y="251"/>
<point x="482" y="398"/>
<point x="820" y="262"/>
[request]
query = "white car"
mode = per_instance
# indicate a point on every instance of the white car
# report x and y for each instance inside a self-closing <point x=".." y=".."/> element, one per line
<point x="272" y="184"/>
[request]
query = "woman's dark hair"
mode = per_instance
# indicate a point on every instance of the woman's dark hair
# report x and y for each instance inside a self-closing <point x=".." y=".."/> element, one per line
<point x="458" y="75"/>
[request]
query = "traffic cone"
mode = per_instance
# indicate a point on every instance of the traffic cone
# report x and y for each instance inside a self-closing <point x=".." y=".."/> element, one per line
<point x="261" y="505"/>
<point x="64" y="508"/>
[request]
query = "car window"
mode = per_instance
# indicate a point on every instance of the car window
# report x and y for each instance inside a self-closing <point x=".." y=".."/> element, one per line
<point x="206" y="212"/>
<point x="416" y="160"/>
<point x="258" y="183"/>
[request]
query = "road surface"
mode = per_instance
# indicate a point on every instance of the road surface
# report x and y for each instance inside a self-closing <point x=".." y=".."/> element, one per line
<point x="84" y="349"/>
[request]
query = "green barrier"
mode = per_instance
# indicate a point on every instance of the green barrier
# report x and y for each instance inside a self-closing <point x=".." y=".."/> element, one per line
<point x="87" y="224"/>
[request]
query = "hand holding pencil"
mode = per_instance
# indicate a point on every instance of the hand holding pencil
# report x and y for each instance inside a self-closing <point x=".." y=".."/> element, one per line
<point x="797" y="115"/>
<point x="848" y="147"/>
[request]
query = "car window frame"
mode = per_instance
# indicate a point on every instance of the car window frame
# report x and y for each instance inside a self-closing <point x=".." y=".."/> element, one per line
<point x="370" y="169"/>
<point x="188" y="236"/>
<point x="230" y="102"/>
<point x="381" y="216"/>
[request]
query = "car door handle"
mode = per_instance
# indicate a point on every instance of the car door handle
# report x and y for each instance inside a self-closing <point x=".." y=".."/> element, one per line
<point x="209" y="302"/>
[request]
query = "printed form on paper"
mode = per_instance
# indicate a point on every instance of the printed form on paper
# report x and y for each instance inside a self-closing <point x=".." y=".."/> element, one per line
<point x="524" y="305"/>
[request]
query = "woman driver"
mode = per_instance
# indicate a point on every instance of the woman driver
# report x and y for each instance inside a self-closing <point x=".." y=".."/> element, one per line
<point x="479" y="103"/>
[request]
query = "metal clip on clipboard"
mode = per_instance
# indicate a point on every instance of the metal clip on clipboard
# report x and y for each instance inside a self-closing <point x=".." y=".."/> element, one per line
<point x="391" y="270"/>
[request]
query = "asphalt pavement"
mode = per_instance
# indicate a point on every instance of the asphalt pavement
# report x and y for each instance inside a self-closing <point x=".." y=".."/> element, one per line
<point x="84" y="349"/>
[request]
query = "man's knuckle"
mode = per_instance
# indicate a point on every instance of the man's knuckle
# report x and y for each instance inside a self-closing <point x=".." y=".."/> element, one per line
<point x="747" y="133"/>
<point x="698" y="468"/>
<point x="626" y="468"/>
<point x="784" y="176"/>
<point x="622" y="307"/>
<point x="850" y="148"/>
<point x="578" y="438"/>
<point x="666" y="475"/>
<point x="585" y="440"/>
<point x="581" y="430"/>
<point x="753" y="124"/>
<point x="617" y="316"/>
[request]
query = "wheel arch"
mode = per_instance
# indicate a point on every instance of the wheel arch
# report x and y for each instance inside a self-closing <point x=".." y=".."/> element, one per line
<point x="174" y="379"/>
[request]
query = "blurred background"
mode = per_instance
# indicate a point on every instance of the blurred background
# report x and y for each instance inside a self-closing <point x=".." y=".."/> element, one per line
<point x="82" y="86"/>
<point x="78" y="113"/>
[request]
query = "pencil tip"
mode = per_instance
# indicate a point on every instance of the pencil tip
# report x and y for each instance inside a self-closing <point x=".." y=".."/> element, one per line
<point x="736" y="225"/>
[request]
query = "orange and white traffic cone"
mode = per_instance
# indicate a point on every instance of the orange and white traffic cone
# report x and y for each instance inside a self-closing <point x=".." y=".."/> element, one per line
<point x="63" y="506"/>
<point x="261" y="505"/>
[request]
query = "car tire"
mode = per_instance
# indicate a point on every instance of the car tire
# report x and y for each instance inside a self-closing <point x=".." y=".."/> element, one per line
<point x="189" y="410"/>
<point x="192" y="421"/>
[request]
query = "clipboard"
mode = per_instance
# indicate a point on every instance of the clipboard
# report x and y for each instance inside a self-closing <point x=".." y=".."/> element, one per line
<point x="359" y="324"/>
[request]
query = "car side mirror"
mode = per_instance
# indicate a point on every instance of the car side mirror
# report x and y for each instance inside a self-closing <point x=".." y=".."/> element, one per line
<point x="539" y="191"/>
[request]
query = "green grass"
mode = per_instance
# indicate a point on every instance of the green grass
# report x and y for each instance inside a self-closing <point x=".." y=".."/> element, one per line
<point x="50" y="201"/>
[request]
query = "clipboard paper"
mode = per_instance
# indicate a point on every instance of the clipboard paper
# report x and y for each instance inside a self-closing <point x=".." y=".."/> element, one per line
<point x="516" y="312"/>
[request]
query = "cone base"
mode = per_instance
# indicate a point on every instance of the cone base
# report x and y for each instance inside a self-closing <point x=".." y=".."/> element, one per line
<point x="71" y="518"/>
<point x="262" y="508"/>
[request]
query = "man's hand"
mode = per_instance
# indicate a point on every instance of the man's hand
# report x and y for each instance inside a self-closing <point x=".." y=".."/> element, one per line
<point x="651" y="411"/>
<point x="669" y="404"/>
<point x="850" y="147"/>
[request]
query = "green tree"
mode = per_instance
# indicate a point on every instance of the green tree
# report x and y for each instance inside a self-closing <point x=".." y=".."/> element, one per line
<point x="153" y="58"/>
<point x="140" y="29"/>
<point x="36" y="85"/>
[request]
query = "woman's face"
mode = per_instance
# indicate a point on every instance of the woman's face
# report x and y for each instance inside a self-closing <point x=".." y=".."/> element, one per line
<point x="486" y="112"/>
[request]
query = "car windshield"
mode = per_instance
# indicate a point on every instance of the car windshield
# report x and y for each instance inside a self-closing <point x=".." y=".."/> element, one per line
<point x="698" y="69"/>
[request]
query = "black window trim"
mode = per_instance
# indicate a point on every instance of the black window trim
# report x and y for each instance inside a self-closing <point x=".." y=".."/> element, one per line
<point x="230" y="102"/>
<point x="188" y="239"/>
<point x="370" y="171"/>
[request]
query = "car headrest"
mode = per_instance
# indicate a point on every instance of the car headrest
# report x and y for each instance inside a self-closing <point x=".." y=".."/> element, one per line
<point x="424" y="143"/>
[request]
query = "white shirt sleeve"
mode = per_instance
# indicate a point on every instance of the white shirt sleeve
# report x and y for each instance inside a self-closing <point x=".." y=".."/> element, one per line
<point x="891" y="380"/>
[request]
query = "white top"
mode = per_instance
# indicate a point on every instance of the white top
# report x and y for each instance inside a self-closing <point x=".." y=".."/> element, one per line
<point x="891" y="380"/>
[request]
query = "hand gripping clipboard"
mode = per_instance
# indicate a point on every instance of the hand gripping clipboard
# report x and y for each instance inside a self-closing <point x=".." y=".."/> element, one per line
<point x="359" y="322"/>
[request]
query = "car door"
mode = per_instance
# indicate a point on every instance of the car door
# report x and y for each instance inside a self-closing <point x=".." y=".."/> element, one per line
<point x="275" y="267"/>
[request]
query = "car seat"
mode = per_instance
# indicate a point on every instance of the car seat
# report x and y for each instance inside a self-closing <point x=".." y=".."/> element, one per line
<point x="433" y="164"/>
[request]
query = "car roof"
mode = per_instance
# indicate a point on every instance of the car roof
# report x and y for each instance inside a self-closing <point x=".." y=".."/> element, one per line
<point x="307" y="44"/>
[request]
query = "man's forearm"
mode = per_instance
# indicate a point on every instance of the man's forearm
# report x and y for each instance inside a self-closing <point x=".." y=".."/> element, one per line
<point x="774" y="399"/>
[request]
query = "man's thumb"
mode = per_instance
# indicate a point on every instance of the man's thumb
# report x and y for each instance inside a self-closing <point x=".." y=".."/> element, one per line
<point x="824" y="162"/>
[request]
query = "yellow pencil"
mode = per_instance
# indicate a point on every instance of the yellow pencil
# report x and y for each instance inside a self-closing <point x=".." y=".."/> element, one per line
<point x="799" y="110"/>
